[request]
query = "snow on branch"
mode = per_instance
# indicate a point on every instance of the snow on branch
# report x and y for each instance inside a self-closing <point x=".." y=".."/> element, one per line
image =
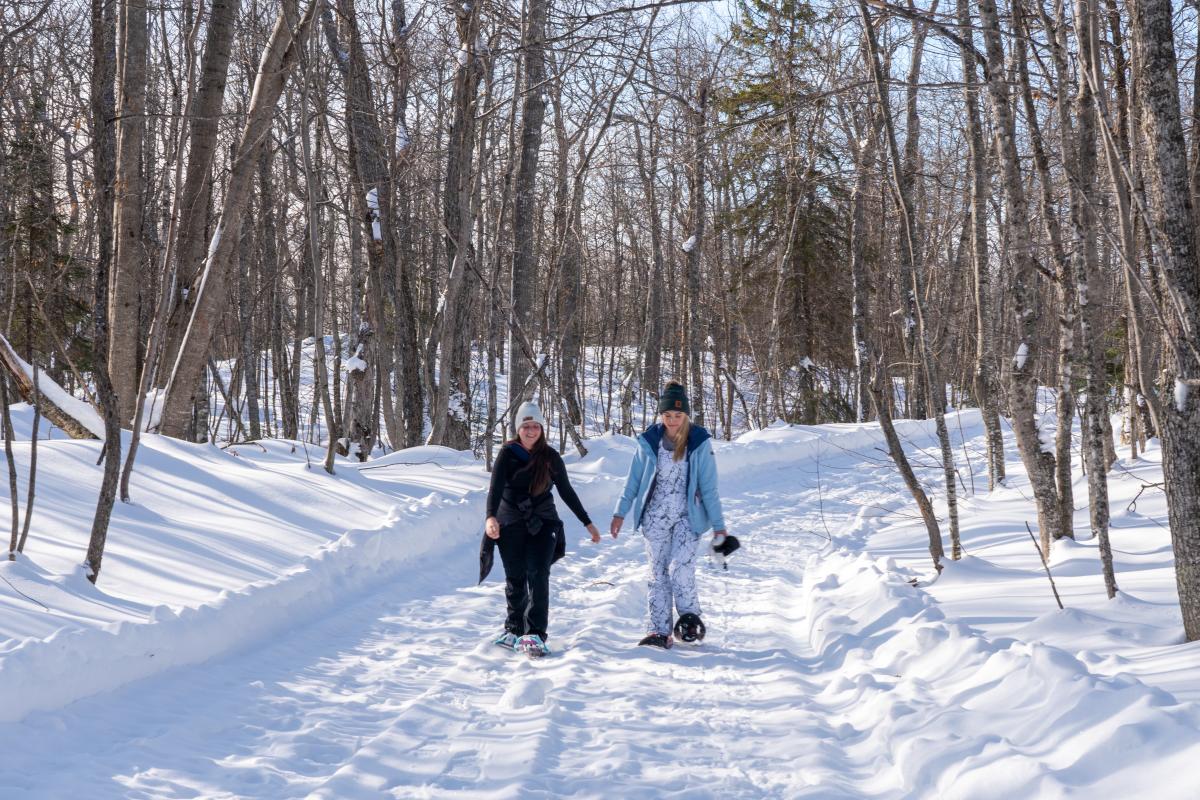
<point x="75" y="417"/>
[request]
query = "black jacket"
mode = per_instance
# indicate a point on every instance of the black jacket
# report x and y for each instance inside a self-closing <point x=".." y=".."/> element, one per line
<point x="509" y="501"/>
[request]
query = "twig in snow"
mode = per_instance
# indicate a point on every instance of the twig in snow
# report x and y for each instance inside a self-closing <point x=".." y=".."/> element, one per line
<point x="1045" y="566"/>
<point x="820" y="495"/>
<point x="27" y="597"/>
<point x="1132" y="507"/>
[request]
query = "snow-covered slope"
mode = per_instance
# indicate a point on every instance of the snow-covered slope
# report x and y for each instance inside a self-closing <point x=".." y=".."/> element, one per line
<point x="264" y="630"/>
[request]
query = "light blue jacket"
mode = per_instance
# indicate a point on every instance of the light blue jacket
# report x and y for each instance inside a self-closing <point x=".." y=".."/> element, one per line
<point x="704" y="508"/>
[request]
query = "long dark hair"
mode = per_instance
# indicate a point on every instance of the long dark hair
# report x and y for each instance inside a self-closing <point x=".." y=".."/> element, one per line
<point x="539" y="464"/>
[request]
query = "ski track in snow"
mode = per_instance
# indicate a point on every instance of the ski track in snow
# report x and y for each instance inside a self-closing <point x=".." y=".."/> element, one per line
<point x="400" y="693"/>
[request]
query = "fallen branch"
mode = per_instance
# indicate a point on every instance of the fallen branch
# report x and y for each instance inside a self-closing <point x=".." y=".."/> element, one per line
<point x="52" y="404"/>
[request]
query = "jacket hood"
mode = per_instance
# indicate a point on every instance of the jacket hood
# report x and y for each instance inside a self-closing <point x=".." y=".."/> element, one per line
<point x="654" y="435"/>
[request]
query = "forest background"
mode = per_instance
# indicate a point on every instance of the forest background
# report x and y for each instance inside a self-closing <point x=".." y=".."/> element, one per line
<point x="790" y="207"/>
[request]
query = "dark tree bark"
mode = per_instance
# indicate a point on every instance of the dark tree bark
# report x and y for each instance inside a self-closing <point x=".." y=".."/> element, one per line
<point x="128" y="269"/>
<point x="279" y="57"/>
<point x="987" y="390"/>
<point x="103" y="109"/>
<point x="451" y="411"/>
<point x="525" y="207"/>
<point x="1171" y="211"/>
<point x="195" y="197"/>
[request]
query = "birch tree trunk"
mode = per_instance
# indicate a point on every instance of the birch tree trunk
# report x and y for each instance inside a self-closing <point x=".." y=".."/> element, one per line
<point x="1087" y="272"/>
<point x="1023" y="289"/>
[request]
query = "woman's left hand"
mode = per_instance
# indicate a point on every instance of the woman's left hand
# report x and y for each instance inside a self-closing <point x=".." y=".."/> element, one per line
<point x="591" y="528"/>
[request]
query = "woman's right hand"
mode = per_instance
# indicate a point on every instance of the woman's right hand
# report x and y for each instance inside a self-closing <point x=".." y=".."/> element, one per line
<point x="492" y="528"/>
<point x="615" y="527"/>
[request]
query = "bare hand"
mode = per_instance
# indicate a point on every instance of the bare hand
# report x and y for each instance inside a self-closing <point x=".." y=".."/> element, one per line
<point x="594" y="532"/>
<point x="615" y="527"/>
<point x="492" y="528"/>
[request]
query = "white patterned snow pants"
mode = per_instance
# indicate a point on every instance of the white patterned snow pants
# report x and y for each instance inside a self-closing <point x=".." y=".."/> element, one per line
<point x="672" y="552"/>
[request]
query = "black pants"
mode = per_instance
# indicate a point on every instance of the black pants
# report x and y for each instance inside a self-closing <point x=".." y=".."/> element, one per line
<point x="527" y="577"/>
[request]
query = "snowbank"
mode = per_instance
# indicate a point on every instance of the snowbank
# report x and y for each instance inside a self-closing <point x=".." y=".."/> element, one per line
<point x="1014" y="718"/>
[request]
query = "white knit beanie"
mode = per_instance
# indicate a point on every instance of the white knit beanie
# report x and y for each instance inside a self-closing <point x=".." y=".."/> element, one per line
<point x="529" y="412"/>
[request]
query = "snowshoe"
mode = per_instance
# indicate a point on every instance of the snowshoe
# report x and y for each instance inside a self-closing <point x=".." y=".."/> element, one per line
<point x="690" y="628"/>
<point x="507" y="640"/>
<point x="656" y="640"/>
<point x="533" y="646"/>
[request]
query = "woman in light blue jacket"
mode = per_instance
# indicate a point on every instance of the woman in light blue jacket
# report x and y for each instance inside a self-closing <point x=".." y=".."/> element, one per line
<point x="671" y="494"/>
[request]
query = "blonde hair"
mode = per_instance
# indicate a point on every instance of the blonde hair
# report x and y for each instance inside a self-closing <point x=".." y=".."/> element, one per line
<point x="679" y="447"/>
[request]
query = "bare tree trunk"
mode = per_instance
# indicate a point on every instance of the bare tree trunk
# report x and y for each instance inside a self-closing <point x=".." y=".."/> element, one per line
<point x="1087" y="272"/>
<point x="525" y="210"/>
<point x="128" y="269"/>
<point x="410" y="391"/>
<point x="1039" y="465"/>
<point x="451" y="412"/>
<point x="278" y="58"/>
<point x="312" y="191"/>
<point x="860" y="313"/>
<point x="1064" y="269"/>
<point x="896" y="451"/>
<point x="911" y="284"/>
<point x="204" y="114"/>
<point x="987" y="391"/>
<point x="159" y="320"/>
<point x="1174" y="231"/>
<point x="33" y="454"/>
<point x="373" y="204"/>
<point x="697" y="211"/>
<point x="1117" y="152"/>
<point x="648" y="167"/>
<point x="103" y="111"/>
<point x="6" y="419"/>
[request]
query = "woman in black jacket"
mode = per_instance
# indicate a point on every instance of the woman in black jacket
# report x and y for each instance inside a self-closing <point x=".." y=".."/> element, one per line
<point x="521" y="517"/>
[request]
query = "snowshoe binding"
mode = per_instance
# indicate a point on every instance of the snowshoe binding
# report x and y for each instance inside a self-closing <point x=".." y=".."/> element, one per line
<point x="507" y="640"/>
<point x="690" y="628"/>
<point x="533" y="646"/>
<point x="656" y="640"/>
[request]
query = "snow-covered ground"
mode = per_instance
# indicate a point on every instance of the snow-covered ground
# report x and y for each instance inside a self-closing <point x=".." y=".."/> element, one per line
<point x="264" y="630"/>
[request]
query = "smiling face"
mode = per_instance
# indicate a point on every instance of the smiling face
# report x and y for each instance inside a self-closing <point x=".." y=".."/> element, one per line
<point x="529" y="433"/>
<point x="673" y="421"/>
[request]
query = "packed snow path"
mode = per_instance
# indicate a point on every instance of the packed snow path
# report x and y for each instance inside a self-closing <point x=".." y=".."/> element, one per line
<point x="400" y="693"/>
<point x="848" y="685"/>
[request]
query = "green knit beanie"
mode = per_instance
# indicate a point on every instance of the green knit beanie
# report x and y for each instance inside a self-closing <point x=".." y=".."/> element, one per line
<point x="674" y="398"/>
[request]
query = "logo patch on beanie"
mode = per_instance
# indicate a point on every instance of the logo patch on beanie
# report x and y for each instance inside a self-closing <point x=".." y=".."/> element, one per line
<point x="679" y="404"/>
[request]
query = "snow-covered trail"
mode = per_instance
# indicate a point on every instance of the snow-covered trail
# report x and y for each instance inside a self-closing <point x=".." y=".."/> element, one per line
<point x="364" y="669"/>
<point x="400" y="693"/>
